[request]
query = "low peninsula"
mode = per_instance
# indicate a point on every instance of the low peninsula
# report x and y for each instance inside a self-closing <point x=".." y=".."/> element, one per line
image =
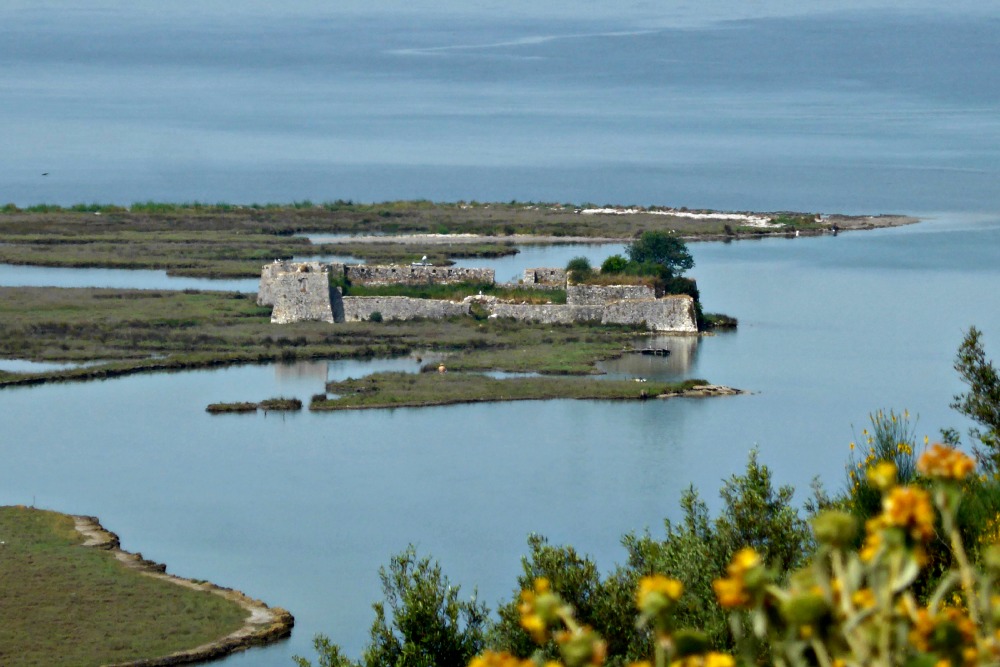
<point x="233" y="240"/>
<point x="111" y="607"/>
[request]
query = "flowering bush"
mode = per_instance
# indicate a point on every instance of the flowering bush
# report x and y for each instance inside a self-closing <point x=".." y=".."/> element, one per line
<point x="847" y="607"/>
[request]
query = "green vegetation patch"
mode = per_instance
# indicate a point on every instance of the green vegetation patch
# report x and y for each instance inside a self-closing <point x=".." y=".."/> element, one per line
<point x="285" y="404"/>
<point x="386" y="390"/>
<point x="459" y="291"/>
<point x="439" y="254"/>
<point x="64" y="604"/>
<point x="720" y="321"/>
<point x="277" y="404"/>
<point x="229" y="408"/>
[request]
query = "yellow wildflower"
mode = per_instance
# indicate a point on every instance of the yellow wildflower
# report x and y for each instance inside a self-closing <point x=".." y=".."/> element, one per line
<point x="949" y="629"/>
<point x="945" y="462"/>
<point x="882" y="475"/>
<point x="657" y="585"/>
<point x="864" y="598"/>
<point x="538" y="609"/>
<point x="535" y="626"/>
<point x="744" y="561"/>
<point x="731" y="593"/>
<point x="873" y="539"/>
<point x="494" y="659"/>
<point x="712" y="659"/>
<point x="910" y="508"/>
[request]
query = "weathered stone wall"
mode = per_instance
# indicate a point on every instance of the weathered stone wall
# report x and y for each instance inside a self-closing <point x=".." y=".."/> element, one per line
<point x="301" y="296"/>
<point x="597" y="295"/>
<point x="270" y="272"/>
<point x="301" y="291"/>
<point x="547" y="314"/>
<point x="671" y="313"/>
<point x="360" y="308"/>
<point x="365" y="274"/>
<point x="544" y="276"/>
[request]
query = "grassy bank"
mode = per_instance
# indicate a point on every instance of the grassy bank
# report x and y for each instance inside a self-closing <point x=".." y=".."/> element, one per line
<point x="128" y="331"/>
<point x="394" y="390"/>
<point x="73" y="606"/>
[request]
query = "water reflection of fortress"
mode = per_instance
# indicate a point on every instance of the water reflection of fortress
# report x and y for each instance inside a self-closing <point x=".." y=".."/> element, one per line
<point x="677" y="365"/>
<point x="301" y="370"/>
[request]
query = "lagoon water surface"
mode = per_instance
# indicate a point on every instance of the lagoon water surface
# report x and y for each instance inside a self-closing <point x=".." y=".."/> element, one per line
<point x="301" y="509"/>
<point x="834" y="106"/>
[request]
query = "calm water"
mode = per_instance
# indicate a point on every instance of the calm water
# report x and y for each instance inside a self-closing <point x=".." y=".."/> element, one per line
<point x="847" y="105"/>
<point x="53" y="276"/>
<point x="836" y="106"/>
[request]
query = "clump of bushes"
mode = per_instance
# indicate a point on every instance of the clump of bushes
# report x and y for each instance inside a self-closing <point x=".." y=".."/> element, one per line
<point x="846" y="606"/>
<point x="279" y="404"/>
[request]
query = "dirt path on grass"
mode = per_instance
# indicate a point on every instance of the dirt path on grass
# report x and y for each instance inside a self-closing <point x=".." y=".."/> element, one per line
<point x="263" y="625"/>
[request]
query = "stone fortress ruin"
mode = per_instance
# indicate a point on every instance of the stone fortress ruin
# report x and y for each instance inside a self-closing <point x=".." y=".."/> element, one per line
<point x="302" y="291"/>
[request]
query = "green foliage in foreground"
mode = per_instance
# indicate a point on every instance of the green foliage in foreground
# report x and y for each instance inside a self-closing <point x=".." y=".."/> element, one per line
<point x="981" y="403"/>
<point x="63" y="605"/>
<point x="421" y="623"/>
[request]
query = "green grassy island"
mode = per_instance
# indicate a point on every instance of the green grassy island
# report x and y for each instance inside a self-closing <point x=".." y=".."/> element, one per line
<point x="395" y="390"/>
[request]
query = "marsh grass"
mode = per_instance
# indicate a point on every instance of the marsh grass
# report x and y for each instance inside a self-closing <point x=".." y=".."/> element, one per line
<point x="267" y="405"/>
<point x="129" y="331"/>
<point x="438" y="254"/>
<point x="460" y="291"/>
<point x="229" y="408"/>
<point x="64" y="605"/>
<point x="233" y="240"/>
<point x="280" y="404"/>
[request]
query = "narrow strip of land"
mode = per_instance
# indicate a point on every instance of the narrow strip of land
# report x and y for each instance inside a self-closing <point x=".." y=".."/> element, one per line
<point x="233" y="241"/>
<point x="263" y="624"/>
<point x="73" y="598"/>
